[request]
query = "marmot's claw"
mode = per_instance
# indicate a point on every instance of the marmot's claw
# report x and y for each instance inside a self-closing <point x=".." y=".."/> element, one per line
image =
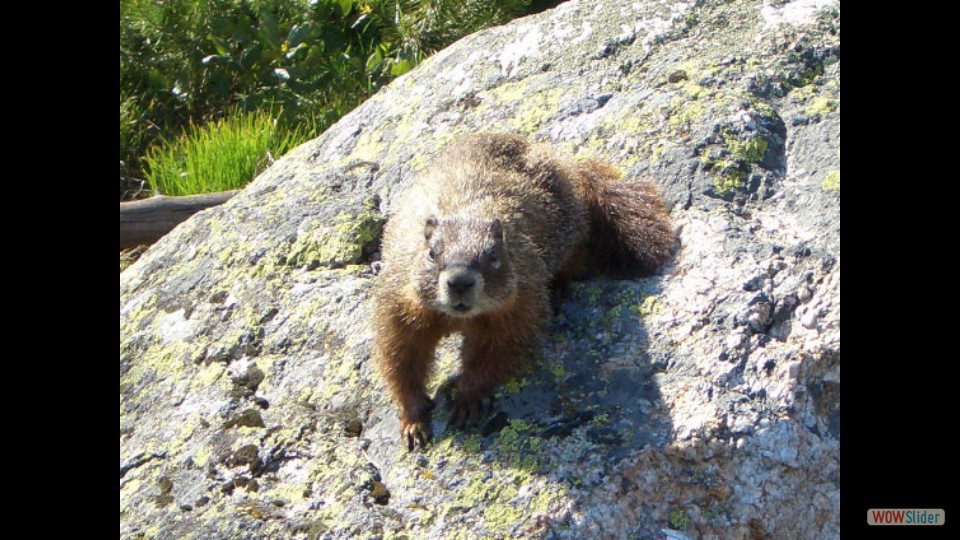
<point x="416" y="434"/>
<point x="469" y="410"/>
<point x="461" y="411"/>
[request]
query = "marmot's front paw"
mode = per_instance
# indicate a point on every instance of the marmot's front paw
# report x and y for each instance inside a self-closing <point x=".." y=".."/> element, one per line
<point x="415" y="434"/>
<point x="415" y="424"/>
<point x="469" y="409"/>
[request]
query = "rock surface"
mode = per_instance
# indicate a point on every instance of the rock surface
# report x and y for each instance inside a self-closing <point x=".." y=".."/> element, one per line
<point x="704" y="401"/>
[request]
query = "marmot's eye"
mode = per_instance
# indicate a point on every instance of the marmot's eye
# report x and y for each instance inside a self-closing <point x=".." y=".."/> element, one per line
<point x="432" y="255"/>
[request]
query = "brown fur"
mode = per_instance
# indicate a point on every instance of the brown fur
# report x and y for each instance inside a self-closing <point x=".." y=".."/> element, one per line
<point x="475" y="245"/>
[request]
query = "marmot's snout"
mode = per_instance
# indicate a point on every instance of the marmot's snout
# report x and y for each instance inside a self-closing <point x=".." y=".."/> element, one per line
<point x="460" y="289"/>
<point x="460" y="283"/>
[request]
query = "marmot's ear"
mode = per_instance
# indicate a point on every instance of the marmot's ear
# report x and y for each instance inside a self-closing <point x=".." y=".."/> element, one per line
<point x="428" y="228"/>
<point x="496" y="229"/>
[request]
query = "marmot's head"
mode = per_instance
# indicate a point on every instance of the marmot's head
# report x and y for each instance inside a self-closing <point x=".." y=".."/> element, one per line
<point x="465" y="268"/>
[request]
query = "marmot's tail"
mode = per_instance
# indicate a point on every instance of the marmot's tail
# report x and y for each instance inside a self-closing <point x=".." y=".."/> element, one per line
<point x="630" y="231"/>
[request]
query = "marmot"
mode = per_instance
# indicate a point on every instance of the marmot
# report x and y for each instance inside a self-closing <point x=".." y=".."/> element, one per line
<point x="477" y="244"/>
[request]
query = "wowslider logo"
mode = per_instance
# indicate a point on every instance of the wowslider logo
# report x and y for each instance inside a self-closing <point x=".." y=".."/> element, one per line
<point x="893" y="516"/>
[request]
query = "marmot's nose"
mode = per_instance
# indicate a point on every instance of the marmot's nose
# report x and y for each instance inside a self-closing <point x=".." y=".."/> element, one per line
<point x="461" y="283"/>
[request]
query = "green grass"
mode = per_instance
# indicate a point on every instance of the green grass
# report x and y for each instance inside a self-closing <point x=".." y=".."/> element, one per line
<point x="222" y="155"/>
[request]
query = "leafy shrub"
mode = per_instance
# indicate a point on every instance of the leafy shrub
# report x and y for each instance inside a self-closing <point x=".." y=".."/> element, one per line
<point x="133" y="137"/>
<point x="187" y="62"/>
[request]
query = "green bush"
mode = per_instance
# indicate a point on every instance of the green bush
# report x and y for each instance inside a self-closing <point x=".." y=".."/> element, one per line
<point x="221" y="155"/>
<point x="187" y="62"/>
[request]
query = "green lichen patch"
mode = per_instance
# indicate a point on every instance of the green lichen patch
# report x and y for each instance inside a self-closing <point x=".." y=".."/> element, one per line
<point x="535" y="109"/>
<point x="558" y="370"/>
<point x="695" y="97"/>
<point x="804" y="93"/>
<point x="685" y="111"/>
<point x="473" y="443"/>
<point x="732" y="160"/>
<point x="648" y="307"/>
<point x="832" y="181"/>
<point x="517" y="446"/>
<point x="342" y="374"/>
<point x="509" y="92"/>
<point x="593" y="294"/>
<point x="481" y="490"/>
<point x="612" y="320"/>
<point x="515" y="385"/>
<point x="657" y="152"/>
<point x="503" y="497"/>
<point x="135" y="315"/>
<point x="822" y="105"/>
<point x="347" y="239"/>
<point x="159" y="363"/>
<point x="527" y="103"/>
<point x="750" y="150"/>
<point x="679" y="520"/>
<point x="369" y="147"/>
<point x="505" y="500"/>
<point x="498" y="517"/>
<point x="694" y="90"/>
<point x="725" y="184"/>
<point x="809" y="74"/>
